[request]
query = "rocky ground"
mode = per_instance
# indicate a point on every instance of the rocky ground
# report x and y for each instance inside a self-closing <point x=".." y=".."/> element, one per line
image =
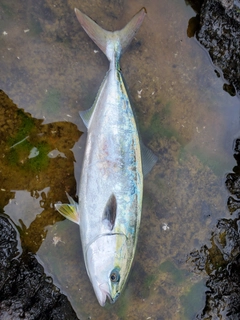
<point x="221" y="260"/>
<point x="26" y="292"/>
<point x="217" y="27"/>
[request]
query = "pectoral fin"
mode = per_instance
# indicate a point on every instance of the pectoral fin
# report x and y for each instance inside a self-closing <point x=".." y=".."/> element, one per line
<point x="69" y="211"/>
<point x="110" y="212"/>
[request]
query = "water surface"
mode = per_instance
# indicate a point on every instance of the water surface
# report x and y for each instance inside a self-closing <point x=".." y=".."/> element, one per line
<point x="51" y="70"/>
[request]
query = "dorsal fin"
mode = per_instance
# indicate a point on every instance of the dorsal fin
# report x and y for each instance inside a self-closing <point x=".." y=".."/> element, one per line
<point x="110" y="212"/>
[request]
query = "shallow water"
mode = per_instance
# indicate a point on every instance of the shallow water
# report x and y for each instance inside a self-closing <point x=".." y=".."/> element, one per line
<point x="51" y="69"/>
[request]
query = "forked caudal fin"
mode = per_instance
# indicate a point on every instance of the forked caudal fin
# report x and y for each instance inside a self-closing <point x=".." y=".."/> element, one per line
<point x="109" y="41"/>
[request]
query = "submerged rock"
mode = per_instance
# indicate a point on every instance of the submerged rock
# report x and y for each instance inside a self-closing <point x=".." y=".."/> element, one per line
<point x="26" y="292"/>
<point x="219" y="32"/>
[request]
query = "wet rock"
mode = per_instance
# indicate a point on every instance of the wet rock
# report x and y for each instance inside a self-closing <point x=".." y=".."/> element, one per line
<point x="219" y="33"/>
<point x="221" y="260"/>
<point x="26" y="292"/>
<point x="233" y="182"/>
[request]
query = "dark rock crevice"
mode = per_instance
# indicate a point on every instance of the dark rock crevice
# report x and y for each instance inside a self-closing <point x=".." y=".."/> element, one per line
<point x="26" y="292"/>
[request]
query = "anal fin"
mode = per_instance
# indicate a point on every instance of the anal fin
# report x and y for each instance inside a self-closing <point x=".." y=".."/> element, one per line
<point x="149" y="159"/>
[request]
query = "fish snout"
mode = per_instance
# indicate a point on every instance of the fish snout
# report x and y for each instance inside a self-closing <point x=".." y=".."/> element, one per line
<point x="103" y="293"/>
<point x="104" y="289"/>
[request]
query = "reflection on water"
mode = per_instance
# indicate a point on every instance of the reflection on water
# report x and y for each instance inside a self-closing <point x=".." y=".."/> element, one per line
<point x="52" y="71"/>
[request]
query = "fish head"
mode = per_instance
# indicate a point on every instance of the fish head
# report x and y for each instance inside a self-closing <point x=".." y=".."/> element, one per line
<point x="108" y="263"/>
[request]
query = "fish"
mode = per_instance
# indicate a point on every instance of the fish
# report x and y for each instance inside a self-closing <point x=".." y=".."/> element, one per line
<point x="109" y="208"/>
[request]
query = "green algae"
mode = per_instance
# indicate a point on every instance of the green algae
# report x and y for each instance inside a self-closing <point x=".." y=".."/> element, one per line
<point x="159" y="126"/>
<point x="19" y="156"/>
<point x="41" y="161"/>
<point x="22" y="141"/>
<point x="25" y="128"/>
<point x="12" y="157"/>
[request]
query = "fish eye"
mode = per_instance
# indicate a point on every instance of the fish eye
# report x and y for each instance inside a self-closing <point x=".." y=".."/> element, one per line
<point x="115" y="275"/>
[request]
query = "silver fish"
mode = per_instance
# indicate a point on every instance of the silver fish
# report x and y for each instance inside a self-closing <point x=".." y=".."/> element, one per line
<point x="111" y="185"/>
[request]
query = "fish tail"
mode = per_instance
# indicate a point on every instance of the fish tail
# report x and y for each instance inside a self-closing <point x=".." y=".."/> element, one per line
<point x="110" y="42"/>
<point x="128" y="32"/>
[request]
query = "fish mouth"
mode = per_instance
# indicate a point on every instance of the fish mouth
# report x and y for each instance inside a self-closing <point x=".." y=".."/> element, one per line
<point x="103" y="287"/>
<point x="102" y="297"/>
<point x="113" y="300"/>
